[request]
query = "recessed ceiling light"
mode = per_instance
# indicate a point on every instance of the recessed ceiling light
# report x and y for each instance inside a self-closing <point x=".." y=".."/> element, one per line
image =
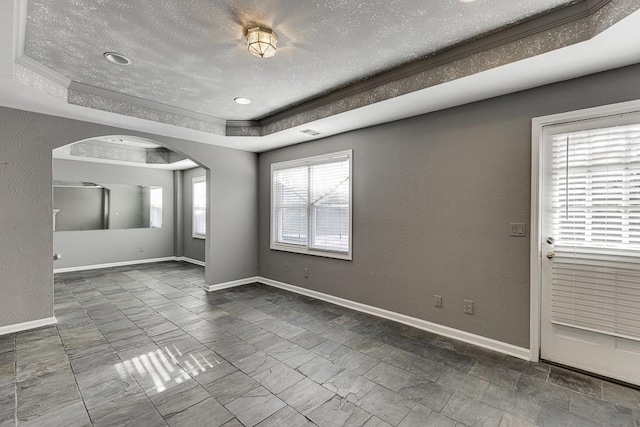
<point x="117" y="58"/>
<point x="242" y="100"/>
<point x="311" y="132"/>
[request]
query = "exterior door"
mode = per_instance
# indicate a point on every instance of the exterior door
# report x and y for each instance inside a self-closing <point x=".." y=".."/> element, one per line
<point x="590" y="230"/>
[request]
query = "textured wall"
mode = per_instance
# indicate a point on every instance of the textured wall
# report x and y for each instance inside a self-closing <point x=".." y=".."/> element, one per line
<point x="192" y="247"/>
<point x="433" y="199"/>
<point x="92" y="247"/>
<point x="26" y="238"/>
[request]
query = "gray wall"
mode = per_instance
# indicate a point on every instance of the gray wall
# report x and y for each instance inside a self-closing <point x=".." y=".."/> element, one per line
<point x="192" y="247"/>
<point x="433" y="197"/>
<point x="26" y="237"/>
<point x="122" y="242"/>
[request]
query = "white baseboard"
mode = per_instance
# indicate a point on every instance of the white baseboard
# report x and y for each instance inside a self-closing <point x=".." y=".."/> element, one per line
<point x="25" y="326"/>
<point x="480" y="341"/>
<point x="113" y="264"/>
<point x="190" y="260"/>
<point x="232" y="284"/>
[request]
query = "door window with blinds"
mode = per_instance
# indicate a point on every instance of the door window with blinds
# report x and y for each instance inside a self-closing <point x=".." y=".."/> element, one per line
<point x="199" y="208"/>
<point x="596" y="226"/>
<point x="311" y="205"/>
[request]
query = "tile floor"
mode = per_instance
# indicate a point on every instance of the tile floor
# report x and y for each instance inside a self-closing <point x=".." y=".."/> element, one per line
<point x="146" y="346"/>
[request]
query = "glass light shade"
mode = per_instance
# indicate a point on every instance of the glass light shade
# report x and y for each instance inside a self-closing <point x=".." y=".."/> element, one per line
<point x="262" y="42"/>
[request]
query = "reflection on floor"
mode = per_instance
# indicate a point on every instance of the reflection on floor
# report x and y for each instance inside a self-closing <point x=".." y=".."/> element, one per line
<point x="146" y="346"/>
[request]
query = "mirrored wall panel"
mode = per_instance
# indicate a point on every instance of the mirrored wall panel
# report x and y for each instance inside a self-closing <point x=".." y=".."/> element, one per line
<point x="95" y="206"/>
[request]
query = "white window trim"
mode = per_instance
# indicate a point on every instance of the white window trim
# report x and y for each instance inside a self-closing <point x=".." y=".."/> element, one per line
<point x="305" y="162"/>
<point x="537" y="138"/>
<point x="195" y="180"/>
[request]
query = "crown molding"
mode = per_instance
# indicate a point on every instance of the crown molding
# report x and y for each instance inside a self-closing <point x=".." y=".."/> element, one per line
<point x="153" y="105"/>
<point x="532" y="26"/>
<point x="43" y="71"/>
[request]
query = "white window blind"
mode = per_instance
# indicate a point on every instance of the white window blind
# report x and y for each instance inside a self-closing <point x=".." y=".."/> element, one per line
<point x="596" y="226"/>
<point x="155" y="203"/>
<point x="311" y="200"/>
<point x="199" y="217"/>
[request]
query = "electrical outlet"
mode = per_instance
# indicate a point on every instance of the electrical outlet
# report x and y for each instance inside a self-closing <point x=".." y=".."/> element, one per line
<point x="306" y="273"/>
<point x="468" y="306"/>
<point x="57" y="256"/>
<point x="437" y="300"/>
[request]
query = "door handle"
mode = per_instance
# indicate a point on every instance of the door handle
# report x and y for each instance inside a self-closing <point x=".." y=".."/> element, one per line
<point x="551" y="255"/>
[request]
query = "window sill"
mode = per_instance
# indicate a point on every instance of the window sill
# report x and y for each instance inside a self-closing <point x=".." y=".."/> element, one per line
<point x="305" y="251"/>
<point x="198" y="236"/>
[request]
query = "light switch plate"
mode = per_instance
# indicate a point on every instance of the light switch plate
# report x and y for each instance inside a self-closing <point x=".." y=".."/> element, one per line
<point x="518" y="229"/>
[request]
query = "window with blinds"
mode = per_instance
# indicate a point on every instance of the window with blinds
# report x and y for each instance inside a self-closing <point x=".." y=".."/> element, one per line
<point x="311" y="205"/>
<point x="155" y="207"/>
<point x="596" y="226"/>
<point x="199" y="217"/>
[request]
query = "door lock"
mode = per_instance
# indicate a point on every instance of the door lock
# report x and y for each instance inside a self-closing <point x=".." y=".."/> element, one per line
<point x="551" y="255"/>
<point x="550" y="240"/>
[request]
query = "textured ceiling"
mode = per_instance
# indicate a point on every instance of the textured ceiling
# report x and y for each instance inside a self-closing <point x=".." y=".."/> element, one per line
<point x="191" y="53"/>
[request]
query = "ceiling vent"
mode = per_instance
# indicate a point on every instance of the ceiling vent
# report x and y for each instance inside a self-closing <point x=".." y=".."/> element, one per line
<point x="310" y="132"/>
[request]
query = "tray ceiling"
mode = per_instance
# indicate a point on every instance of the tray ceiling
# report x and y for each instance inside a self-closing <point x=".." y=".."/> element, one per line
<point x="192" y="54"/>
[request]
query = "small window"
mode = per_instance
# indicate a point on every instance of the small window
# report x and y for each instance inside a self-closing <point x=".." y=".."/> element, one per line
<point x="311" y="205"/>
<point x="155" y="203"/>
<point x="199" y="220"/>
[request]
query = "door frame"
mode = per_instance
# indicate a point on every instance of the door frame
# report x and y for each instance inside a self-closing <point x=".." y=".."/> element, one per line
<point x="537" y="135"/>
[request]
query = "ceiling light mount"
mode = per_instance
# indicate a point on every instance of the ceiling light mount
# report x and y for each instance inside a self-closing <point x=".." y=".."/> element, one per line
<point x="117" y="58"/>
<point x="261" y="41"/>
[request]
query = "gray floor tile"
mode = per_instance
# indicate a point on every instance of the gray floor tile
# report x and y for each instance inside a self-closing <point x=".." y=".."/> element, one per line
<point x="349" y="385"/>
<point x="538" y="371"/>
<point x="256" y="363"/>
<point x="88" y="362"/>
<point x="126" y="412"/>
<point x="553" y="416"/>
<point x="471" y="412"/>
<point x="577" y="382"/>
<point x="208" y="412"/>
<point x="179" y="398"/>
<point x="338" y="412"/>
<point x="605" y="412"/>
<point x="286" y="416"/>
<point x="104" y="384"/>
<point x="388" y="376"/>
<point x="229" y="388"/>
<point x="278" y="378"/>
<point x="42" y="395"/>
<point x="386" y="405"/>
<point x="427" y="393"/>
<point x="356" y="361"/>
<point x="74" y="415"/>
<point x="509" y="420"/>
<point x="305" y="396"/>
<point x="168" y="337"/>
<point x="417" y="417"/>
<point x="307" y="339"/>
<point x="376" y="422"/>
<point x="519" y="404"/>
<point x="467" y="384"/>
<point x="624" y="396"/>
<point x="320" y="369"/>
<point x="255" y="406"/>
<point x="544" y="392"/>
<point x="496" y="374"/>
